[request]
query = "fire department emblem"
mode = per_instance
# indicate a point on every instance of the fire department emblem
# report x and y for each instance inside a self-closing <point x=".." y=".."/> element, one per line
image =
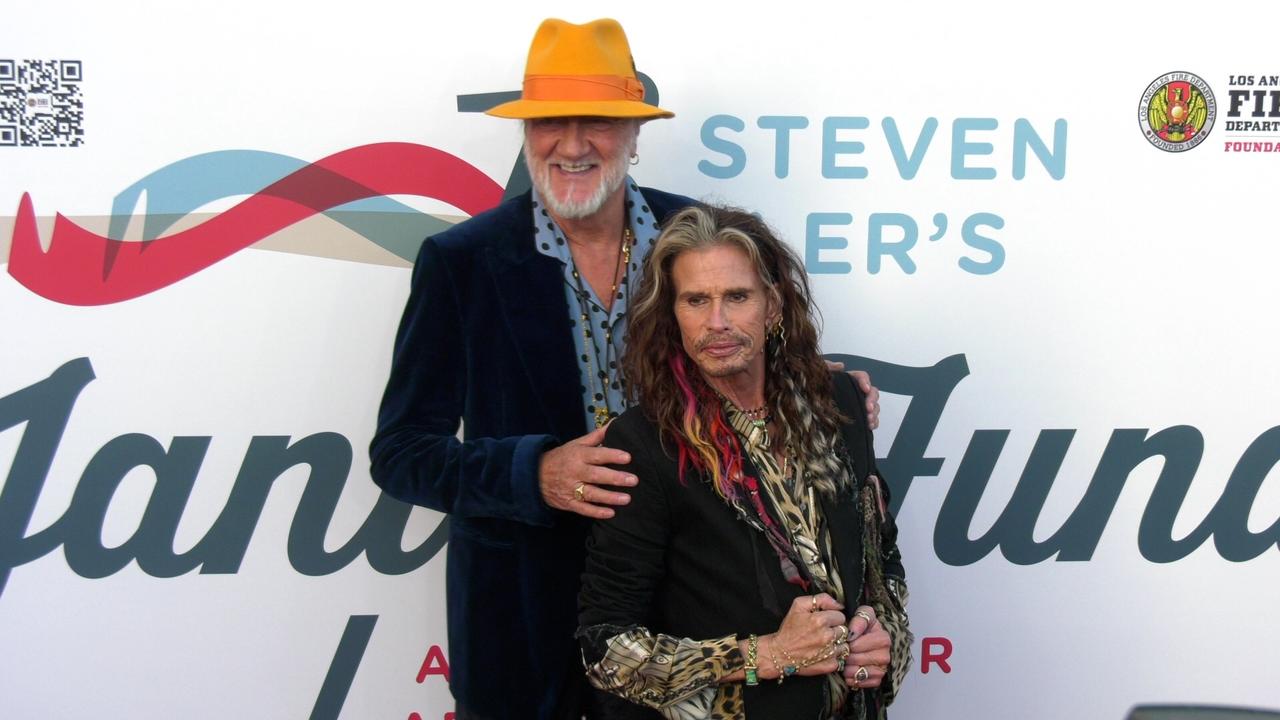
<point x="1177" y="111"/>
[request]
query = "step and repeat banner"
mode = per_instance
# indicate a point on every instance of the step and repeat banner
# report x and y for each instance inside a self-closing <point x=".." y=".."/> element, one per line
<point x="1050" y="235"/>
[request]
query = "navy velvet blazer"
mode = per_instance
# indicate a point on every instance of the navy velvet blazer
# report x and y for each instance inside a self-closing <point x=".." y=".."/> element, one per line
<point x="485" y="340"/>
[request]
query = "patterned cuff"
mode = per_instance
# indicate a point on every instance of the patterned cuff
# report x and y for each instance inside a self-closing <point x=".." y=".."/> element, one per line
<point x="660" y="671"/>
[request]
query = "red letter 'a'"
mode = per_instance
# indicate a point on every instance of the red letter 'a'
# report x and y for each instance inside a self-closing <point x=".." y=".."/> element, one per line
<point x="434" y="664"/>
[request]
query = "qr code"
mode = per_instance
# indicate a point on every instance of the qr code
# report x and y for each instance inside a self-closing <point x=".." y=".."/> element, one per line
<point x="41" y="104"/>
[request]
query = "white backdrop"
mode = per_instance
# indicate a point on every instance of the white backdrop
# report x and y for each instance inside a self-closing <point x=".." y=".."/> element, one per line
<point x="1135" y="291"/>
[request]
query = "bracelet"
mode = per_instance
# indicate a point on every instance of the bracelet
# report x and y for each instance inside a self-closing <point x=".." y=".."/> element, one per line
<point x="785" y="671"/>
<point x="794" y="666"/>
<point x="782" y="673"/>
<point x="750" y="668"/>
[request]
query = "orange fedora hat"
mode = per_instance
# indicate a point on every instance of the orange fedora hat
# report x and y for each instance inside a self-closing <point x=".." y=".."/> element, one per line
<point x="580" y="70"/>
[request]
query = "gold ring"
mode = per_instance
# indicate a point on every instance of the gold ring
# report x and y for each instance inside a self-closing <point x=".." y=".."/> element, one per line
<point x="579" y="492"/>
<point x="813" y="606"/>
<point x="865" y="616"/>
<point x="862" y="675"/>
<point x="842" y="634"/>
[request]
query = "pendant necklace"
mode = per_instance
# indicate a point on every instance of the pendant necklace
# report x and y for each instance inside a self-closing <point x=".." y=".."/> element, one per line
<point x="602" y="411"/>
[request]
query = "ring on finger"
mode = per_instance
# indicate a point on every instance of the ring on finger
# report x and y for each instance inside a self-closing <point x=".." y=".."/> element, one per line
<point x="842" y="634"/>
<point x="840" y="665"/>
<point x="862" y="675"/>
<point x="813" y="605"/>
<point x="865" y="616"/>
<point x="579" y="492"/>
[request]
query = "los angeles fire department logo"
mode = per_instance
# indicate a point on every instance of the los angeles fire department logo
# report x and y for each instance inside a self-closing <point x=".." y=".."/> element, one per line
<point x="1177" y="111"/>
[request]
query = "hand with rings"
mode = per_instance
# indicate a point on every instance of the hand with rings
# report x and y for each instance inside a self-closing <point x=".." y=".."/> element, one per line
<point x="842" y="634"/>
<point x="575" y="476"/>
<point x="868" y="660"/>
<point x="810" y="641"/>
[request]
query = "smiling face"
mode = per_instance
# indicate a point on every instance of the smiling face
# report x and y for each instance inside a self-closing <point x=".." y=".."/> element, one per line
<point x="724" y="312"/>
<point x="578" y="163"/>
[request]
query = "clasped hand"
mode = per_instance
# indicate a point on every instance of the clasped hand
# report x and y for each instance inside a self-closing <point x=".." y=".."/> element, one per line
<point x="815" y="639"/>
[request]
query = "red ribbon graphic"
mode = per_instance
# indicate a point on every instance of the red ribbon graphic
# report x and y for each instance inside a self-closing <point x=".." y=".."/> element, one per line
<point x="84" y="268"/>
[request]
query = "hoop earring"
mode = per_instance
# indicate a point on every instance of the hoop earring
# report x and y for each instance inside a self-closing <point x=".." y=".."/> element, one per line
<point x="635" y="158"/>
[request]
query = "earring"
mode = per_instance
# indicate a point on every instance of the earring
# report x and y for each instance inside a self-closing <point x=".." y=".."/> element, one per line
<point x="635" y="158"/>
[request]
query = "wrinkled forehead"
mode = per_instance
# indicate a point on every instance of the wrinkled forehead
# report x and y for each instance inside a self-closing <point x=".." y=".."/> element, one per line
<point x="738" y="244"/>
<point x="721" y="266"/>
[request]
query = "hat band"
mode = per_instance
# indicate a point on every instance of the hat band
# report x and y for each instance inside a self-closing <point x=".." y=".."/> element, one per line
<point x="582" y="87"/>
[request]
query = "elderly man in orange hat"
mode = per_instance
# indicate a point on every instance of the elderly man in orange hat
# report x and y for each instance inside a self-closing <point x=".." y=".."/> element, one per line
<point x="514" y="326"/>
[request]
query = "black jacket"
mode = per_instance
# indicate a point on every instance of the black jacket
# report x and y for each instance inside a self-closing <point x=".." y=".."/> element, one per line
<point x="678" y="561"/>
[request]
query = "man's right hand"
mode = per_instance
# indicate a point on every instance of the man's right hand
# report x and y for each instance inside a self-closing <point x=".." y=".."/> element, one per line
<point x="581" y="462"/>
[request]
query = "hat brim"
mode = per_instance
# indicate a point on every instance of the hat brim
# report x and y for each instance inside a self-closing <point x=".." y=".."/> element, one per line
<point x="534" y="109"/>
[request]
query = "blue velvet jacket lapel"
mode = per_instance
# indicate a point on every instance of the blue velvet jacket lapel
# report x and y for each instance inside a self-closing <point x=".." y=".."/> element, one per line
<point x="530" y="297"/>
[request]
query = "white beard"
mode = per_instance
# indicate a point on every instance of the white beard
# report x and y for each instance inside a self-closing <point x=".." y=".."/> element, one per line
<point x="611" y="177"/>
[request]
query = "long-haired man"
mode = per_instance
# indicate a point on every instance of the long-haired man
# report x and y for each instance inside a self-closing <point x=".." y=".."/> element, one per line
<point x="755" y="572"/>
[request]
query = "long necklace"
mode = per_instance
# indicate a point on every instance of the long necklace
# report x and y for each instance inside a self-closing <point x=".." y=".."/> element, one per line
<point x="602" y="409"/>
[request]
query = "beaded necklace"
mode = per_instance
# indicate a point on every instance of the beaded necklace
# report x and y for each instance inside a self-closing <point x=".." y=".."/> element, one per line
<point x="602" y="409"/>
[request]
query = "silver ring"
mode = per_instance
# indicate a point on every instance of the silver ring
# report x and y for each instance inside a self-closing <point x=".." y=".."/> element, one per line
<point x="865" y="616"/>
<point x="862" y="675"/>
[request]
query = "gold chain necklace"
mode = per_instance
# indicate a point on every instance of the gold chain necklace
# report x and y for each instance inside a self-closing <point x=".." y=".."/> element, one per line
<point x="602" y="409"/>
<point x="627" y="239"/>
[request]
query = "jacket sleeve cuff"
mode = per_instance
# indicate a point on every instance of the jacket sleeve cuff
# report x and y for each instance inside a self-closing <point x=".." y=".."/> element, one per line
<point x="525" y="490"/>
